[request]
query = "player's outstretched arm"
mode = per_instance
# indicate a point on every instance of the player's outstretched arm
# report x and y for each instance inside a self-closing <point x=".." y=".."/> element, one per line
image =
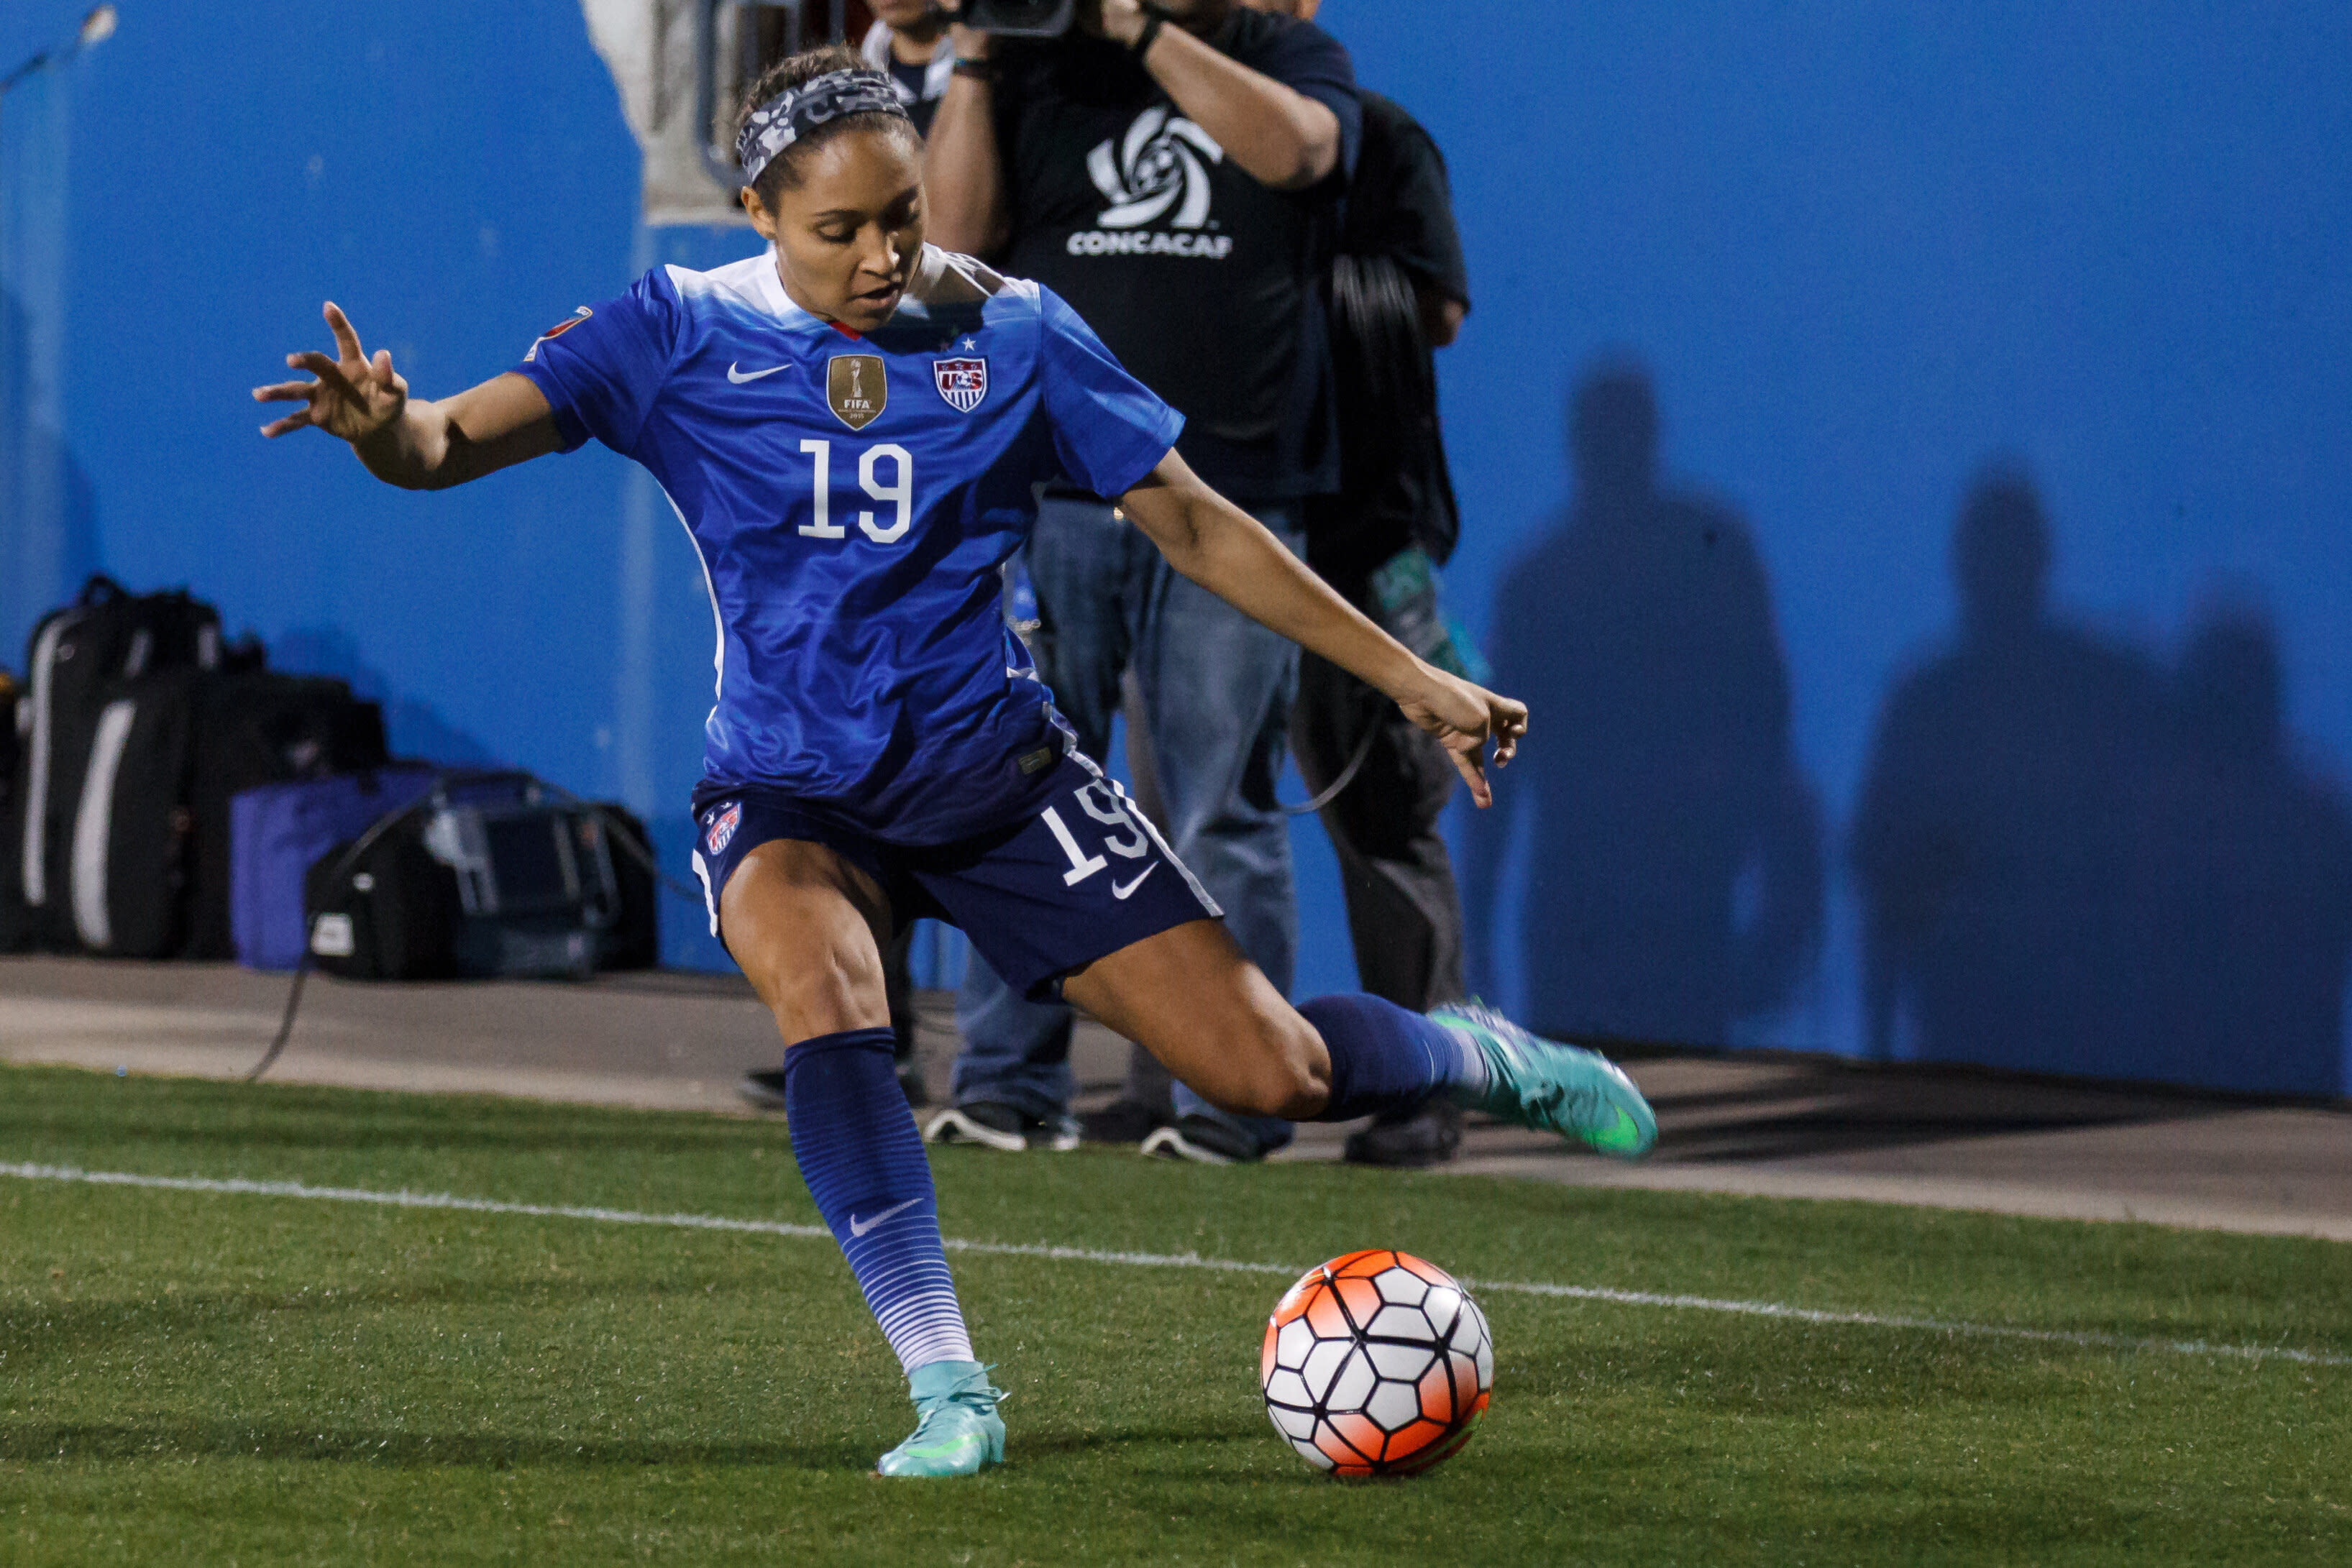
<point x="1231" y="554"/>
<point x="405" y="441"/>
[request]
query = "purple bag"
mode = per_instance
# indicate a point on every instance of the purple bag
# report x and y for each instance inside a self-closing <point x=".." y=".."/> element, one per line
<point x="275" y="835"/>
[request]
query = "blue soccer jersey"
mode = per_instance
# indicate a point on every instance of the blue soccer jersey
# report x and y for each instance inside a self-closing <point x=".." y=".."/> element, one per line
<point x="852" y="499"/>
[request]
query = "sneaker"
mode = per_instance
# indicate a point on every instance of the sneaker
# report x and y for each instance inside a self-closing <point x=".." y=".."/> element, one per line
<point x="957" y="1428"/>
<point x="1553" y="1087"/>
<point x="1123" y="1121"/>
<point x="1206" y="1141"/>
<point x="1428" y="1134"/>
<point x="1001" y="1126"/>
<point x="766" y="1090"/>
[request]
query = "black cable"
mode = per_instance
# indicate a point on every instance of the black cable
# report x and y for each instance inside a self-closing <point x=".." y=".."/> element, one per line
<point x="615" y="825"/>
<point x="344" y="864"/>
<point x="1392" y="456"/>
<point x="1331" y="791"/>
<point x="285" y="1021"/>
<point x="622" y="830"/>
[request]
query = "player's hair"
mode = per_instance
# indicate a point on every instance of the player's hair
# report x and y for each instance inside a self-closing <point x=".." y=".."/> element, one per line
<point x="784" y="172"/>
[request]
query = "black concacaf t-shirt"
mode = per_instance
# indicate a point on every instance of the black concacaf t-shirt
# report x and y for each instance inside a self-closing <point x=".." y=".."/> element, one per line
<point x="1207" y="285"/>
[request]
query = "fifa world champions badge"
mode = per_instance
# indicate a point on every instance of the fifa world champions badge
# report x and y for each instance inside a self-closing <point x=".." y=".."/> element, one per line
<point x="857" y="388"/>
<point x="721" y="830"/>
<point x="964" y="382"/>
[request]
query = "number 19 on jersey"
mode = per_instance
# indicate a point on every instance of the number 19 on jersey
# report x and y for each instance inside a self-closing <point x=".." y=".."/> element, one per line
<point x="899" y="491"/>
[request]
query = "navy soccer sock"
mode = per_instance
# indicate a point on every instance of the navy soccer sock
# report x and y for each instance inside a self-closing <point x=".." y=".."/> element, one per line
<point x="863" y="1161"/>
<point x="1384" y="1058"/>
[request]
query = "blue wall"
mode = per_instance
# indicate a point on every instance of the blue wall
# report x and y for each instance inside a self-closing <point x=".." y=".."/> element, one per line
<point x="1857" y="252"/>
<point x="1862" y="249"/>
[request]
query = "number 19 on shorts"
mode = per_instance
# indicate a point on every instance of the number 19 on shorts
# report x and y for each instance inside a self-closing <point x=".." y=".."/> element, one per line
<point x="898" y="490"/>
<point x="1127" y="840"/>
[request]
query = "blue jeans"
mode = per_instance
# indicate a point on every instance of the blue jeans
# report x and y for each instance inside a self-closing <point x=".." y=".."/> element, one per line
<point x="1217" y="690"/>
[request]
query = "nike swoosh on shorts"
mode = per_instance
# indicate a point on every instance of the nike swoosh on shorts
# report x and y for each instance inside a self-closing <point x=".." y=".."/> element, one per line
<point x="1120" y="893"/>
<point x="860" y="1227"/>
<point x="738" y="378"/>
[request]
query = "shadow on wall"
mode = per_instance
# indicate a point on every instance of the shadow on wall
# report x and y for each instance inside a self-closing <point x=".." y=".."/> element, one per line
<point x="48" y="513"/>
<point x="2072" y="860"/>
<point x="1676" y="882"/>
<point x="413" y="728"/>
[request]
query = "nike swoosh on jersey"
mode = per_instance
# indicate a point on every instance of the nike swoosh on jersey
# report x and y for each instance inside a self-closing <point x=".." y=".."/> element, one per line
<point x="1118" y="891"/>
<point x="738" y="378"/>
<point x="860" y="1227"/>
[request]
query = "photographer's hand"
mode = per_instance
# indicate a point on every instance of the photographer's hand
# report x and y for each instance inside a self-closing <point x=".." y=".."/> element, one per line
<point x="1121" y="21"/>
<point x="965" y="181"/>
<point x="965" y="43"/>
<point x="1276" y="135"/>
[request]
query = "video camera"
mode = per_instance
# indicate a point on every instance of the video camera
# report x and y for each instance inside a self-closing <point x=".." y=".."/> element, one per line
<point x="1021" y="18"/>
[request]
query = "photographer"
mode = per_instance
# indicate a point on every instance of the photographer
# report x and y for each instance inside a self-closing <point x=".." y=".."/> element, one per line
<point x="1399" y="289"/>
<point x="908" y="41"/>
<point x="1176" y="174"/>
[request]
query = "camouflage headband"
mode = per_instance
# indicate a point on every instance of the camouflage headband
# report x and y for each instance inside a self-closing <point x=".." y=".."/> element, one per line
<point x="795" y="112"/>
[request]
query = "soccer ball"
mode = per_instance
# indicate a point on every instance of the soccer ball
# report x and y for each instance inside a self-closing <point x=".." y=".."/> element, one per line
<point x="1376" y="1363"/>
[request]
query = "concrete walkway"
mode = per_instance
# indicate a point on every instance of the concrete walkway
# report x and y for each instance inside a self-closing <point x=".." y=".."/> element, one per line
<point x="1760" y="1123"/>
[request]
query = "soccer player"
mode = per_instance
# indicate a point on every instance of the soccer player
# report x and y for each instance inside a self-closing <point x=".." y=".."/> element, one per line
<point x="849" y="426"/>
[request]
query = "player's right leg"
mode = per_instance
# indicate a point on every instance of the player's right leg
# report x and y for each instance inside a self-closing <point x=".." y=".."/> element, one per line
<point x="1189" y="996"/>
<point x="1086" y="898"/>
<point x="808" y="927"/>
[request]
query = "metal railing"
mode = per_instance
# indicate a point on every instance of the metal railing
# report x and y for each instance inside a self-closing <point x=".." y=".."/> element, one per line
<point x="734" y="40"/>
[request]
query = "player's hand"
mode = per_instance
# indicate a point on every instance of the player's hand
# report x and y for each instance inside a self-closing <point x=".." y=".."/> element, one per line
<point x="352" y="396"/>
<point x="1465" y="718"/>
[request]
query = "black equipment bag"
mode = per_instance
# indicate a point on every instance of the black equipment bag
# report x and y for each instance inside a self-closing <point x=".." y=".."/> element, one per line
<point x="76" y="657"/>
<point x="255" y="727"/>
<point x="635" y="941"/>
<point x="382" y="910"/>
<point x="15" y="920"/>
<point x="126" y="876"/>
<point x="486" y="877"/>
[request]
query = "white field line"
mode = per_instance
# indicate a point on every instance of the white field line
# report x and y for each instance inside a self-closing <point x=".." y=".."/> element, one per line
<point x="442" y="1200"/>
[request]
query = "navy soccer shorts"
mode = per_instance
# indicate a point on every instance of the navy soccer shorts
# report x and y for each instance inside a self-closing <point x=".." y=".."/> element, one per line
<point x="1077" y="878"/>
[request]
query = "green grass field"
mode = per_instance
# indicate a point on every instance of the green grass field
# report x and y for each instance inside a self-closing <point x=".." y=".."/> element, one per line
<point x="202" y="1377"/>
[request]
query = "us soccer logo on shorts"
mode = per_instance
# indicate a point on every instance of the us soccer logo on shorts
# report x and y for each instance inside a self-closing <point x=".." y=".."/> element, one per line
<point x="722" y="831"/>
<point x="964" y="382"/>
<point x="857" y="389"/>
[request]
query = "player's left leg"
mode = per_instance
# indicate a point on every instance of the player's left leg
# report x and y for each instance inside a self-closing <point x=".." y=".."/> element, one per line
<point x="1189" y="996"/>
<point x="808" y="926"/>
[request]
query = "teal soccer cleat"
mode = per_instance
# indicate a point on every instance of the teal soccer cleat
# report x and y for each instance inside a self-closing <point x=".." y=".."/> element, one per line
<point x="959" y="1430"/>
<point x="1557" y="1088"/>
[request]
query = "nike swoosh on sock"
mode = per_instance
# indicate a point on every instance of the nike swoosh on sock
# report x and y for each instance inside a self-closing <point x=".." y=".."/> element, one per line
<point x="860" y="1227"/>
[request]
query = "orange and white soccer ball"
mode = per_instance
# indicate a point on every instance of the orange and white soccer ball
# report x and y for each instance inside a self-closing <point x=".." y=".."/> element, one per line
<point x="1376" y="1363"/>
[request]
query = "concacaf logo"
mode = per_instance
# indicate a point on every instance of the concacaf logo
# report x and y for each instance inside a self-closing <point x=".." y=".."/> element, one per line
<point x="1157" y="165"/>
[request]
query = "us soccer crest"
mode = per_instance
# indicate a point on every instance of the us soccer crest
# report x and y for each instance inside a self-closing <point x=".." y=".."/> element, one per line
<point x="964" y="382"/>
<point x="722" y="831"/>
<point x="857" y="389"/>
